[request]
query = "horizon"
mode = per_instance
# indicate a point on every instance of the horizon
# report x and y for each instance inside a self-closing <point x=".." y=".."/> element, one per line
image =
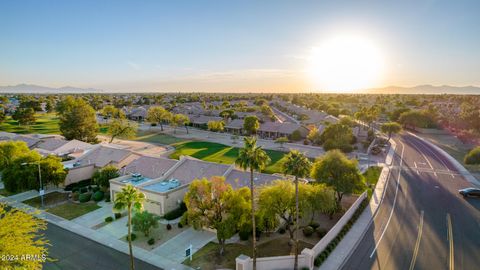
<point x="239" y="47"/>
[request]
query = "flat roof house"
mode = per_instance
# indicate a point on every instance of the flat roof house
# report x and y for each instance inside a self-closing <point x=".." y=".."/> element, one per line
<point x="166" y="192"/>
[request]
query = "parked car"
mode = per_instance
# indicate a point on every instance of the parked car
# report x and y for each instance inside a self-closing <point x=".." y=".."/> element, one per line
<point x="470" y="192"/>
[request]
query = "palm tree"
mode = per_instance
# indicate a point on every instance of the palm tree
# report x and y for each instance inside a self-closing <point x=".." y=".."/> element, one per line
<point x="298" y="165"/>
<point x="252" y="157"/>
<point x="129" y="198"/>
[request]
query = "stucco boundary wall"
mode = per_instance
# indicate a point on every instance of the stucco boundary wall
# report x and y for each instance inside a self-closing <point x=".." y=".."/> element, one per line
<point x="464" y="172"/>
<point x="307" y="256"/>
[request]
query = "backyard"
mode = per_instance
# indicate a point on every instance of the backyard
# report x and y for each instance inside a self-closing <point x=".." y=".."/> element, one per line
<point x="46" y="123"/>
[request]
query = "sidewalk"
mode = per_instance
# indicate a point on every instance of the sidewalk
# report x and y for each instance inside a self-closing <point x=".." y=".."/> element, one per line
<point x="95" y="217"/>
<point x="104" y="239"/>
<point x="355" y="234"/>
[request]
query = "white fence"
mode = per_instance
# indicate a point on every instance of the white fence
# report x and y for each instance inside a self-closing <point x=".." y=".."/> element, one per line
<point x="307" y="257"/>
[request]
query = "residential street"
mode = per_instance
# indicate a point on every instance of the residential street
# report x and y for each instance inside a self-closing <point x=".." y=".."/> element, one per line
<point x="423" y="223"/>
<point x="73" y="252"/>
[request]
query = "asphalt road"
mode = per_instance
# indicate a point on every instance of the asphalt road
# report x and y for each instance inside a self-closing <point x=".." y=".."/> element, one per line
<point x="423" y="223"/>
<point x="73" y="252"/>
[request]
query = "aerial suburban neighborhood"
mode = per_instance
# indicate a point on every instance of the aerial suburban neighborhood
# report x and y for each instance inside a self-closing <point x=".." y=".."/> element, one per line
<point x="239" y="135"/>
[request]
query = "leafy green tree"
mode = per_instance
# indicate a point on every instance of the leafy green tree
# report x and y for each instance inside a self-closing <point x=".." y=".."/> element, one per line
<point x="416" y="119"/>
<point x="53" y="171"/>
<point x="9" y="151"/>
<point x="281" y="141"/>
<point x="158" y="115"/>
<point x="298" y="165"/>
<point x="49" y="107"/>
<point x="77" y="120"/>
<point x="315" y="136"/>
<point x="227" y="114"/>
<point x="103" y="176"/>
<point x="395" y="114"/>
<point x="24" y="116"/>
<point x="179" y="120"/>
<point x="144" y="222"/>
<point x="21" y="234"/>
<point x="319" y="198"/>
<point x="216" y="126"/>
<point x="338" y="172"/>
<point x="251" y="124"/>
<point x="277" y="200"/>
<point x="391" y="128"/>
<point x="130" y="199"/>
<point x="337" y="136"/>
<point x="111" y="112"/>
<point x="347" y="121"/>
<point x="122" y="128"/>
<point x="215" y="205"/>
<point x="252" y="157"/>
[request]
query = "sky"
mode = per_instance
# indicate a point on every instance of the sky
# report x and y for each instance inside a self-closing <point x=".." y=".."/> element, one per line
<point x="232" y="45"/>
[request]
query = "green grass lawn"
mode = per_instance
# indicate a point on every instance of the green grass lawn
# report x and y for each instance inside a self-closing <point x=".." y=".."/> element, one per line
<point x="153" y="137"/>
<point x="5" y="193"/>
<point x="220" y="153"/>
<point x="209" y="258"/>
<point x="47" y="123"/>
<point x="371" y="176"/>
<point x="70" y="210"/>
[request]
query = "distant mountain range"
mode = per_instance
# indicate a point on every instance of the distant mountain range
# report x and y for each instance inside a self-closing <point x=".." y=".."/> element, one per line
<point x="425" y="89"/>
<point x="419" y="89"/>
<point x="31" y="88"/>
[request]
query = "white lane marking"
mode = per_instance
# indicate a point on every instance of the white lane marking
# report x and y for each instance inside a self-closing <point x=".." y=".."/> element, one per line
<point x="417" y="243"/>
<point x="431" y="151"/>
<point x="394" y="202"/>
<point x="450" y="242"/>
<point x="425" y="157"/>
<point x="415" y="163"/>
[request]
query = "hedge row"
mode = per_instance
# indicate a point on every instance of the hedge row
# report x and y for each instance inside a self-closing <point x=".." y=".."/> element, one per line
<point x="331" y="246"/>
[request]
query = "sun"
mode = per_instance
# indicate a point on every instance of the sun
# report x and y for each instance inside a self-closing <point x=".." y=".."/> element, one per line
<point x="346" y="63"/>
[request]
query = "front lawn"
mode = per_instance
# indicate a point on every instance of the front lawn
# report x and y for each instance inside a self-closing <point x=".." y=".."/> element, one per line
<point x="209" y="258"/>
<point x="50" y="199"/>
<point x="46" y="123"/>
<point x="71" y="210"/>
<point x="220" y="153"/>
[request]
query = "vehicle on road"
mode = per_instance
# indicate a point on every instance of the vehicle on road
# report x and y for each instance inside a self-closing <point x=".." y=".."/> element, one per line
<point x="470" y="192"/>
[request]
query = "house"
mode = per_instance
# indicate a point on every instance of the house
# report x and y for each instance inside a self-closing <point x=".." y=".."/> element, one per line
<point x="60" y="147"/>
<point x="138" y="114"/>
<point x="201" y="121"/>
<point x="96" y="158"/>
<point x="151" y="167"/>
<point x="274" y="130"/>
<point x="166" y="192"/>
<point x="235" y="127"/>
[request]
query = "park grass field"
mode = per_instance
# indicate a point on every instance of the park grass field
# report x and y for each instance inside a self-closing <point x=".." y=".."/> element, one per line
<point x="220" y="153"/>
<point x="47" y="123"/>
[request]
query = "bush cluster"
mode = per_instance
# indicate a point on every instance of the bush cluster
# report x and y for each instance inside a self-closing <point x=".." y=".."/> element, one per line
<point x="473" y="157"/>
<point x="308" y="231"/>
<point x="132" y="236"/>
<point x="331" y="246"/>
<point x="244" y="234"/>
<point x="85" y="197"/>
<point x="151" y="241"/>
<point x="75" y="195"/>
<point x="169" y="226"/>
<point x="176" y="213"/>
<point x="108" y="219"/>
<point x="118" y="215"/>
<point x="98" y="196"/>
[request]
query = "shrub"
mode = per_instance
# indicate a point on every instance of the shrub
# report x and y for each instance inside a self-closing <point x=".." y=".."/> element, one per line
<point x="75" y="195"/>
<point x="83" y="190"/>
<point x="314" y="225"/>
<point x="153" y="124"/>
<point x="180" y="225"/>
<point x="306" y="142"/>
<point x="107" y="197"/>
<point x="169" y="226"/>
<point x="85" y="197"/>
<point x="375" y="150"/>
<point x="281" y="230"/>
<point x="118" y="215"/>
<point x="321" y="232"/>
<point x="144" y="222"/>
<point x="244" y="234"/>
<point x="108" y="219"/>
<point x="176" y="213"/>
<point x="308" y="231"/>
<point x="151" y="241"/>
<point x="95" y="189"/>
<point x="132" y="236"/>
<point x="98" y="196"/>
<point x="473" y="157"/>
<point x="318" y="261"/>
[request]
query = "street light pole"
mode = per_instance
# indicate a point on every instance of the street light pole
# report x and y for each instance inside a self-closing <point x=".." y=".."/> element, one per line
<point x="39" y="178"/>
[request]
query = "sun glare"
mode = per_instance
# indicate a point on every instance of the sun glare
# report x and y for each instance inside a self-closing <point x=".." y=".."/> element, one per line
<point x="346" y="64"/>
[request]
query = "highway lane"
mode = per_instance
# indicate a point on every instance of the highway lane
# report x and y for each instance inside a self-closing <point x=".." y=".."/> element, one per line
<point x="423" y="223"/>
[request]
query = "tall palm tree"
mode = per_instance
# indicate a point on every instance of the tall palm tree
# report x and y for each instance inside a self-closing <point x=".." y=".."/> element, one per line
<point x="252" y="157"/>
<point x="298" y="165"/>
<point x="129" y="198"/>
